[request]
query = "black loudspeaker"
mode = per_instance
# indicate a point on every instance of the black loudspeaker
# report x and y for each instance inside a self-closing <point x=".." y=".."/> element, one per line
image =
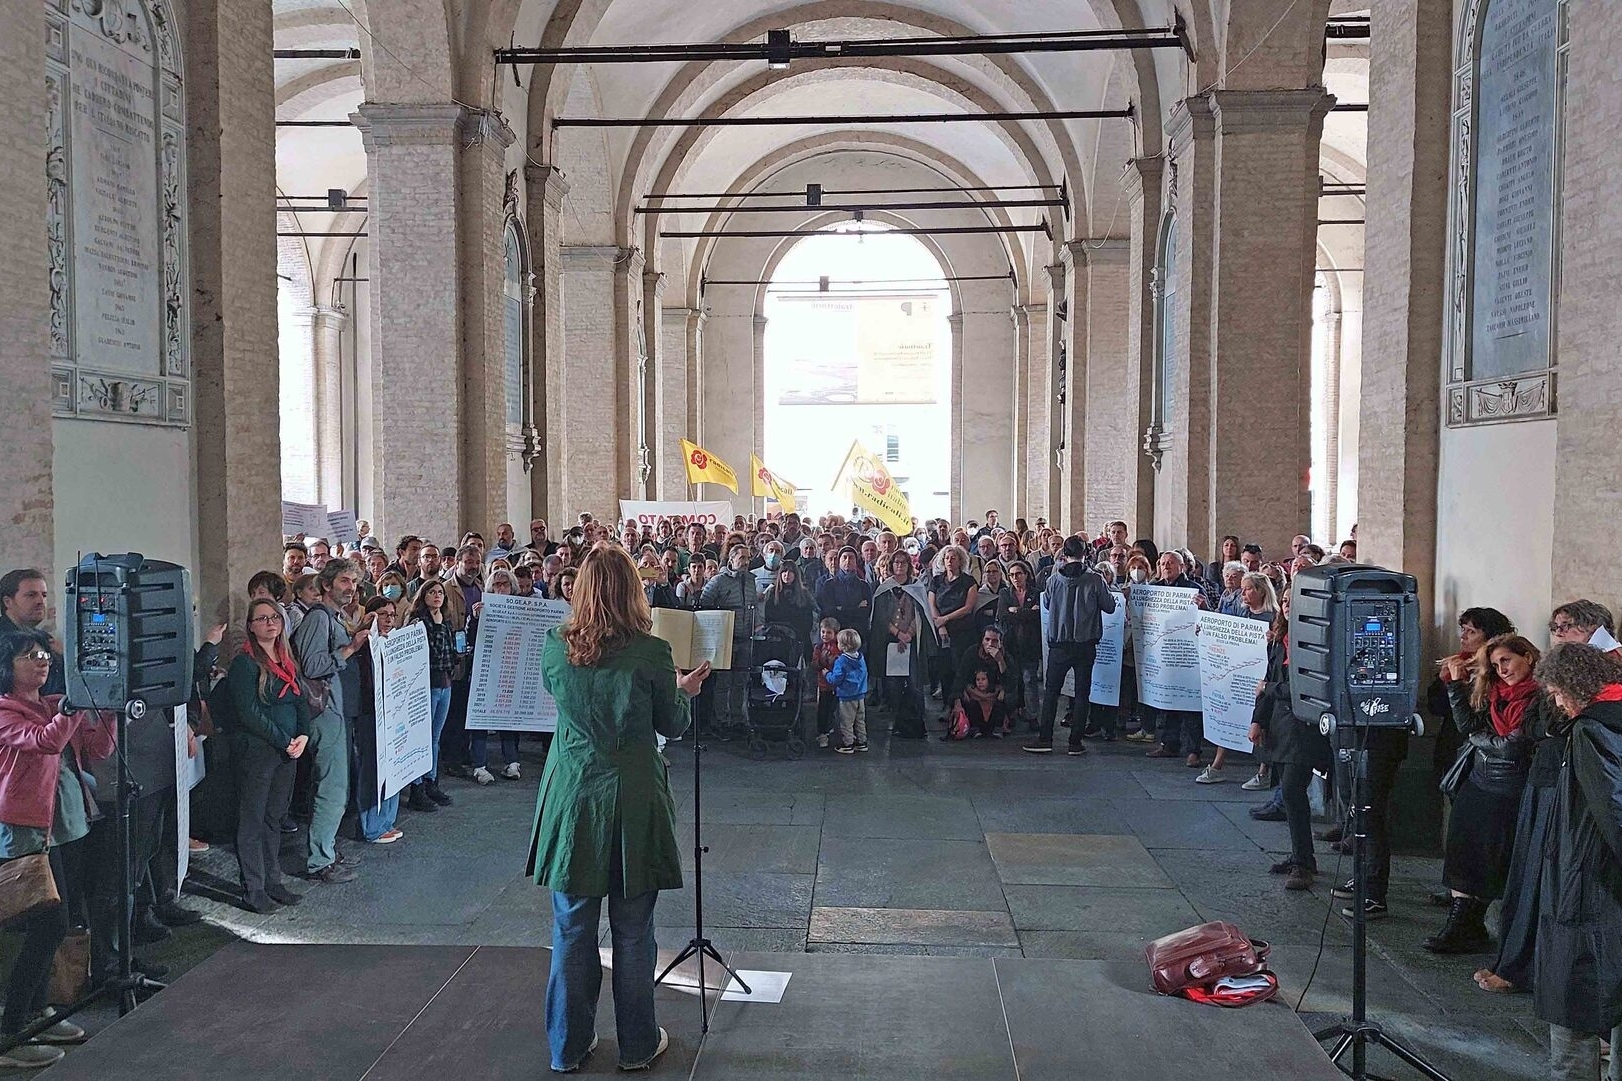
<point x="127" y="633"/>
<point x="1354" y="647"/>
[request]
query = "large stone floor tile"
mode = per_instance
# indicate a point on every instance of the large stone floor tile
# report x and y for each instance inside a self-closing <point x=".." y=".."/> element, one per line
<point x="1161" y="823"/>
<point x="893" y="816"/>
<point x="1147" y="914"/>
<point x="905" y="926"/>
<point x="740" y="899"/>
<point x="1055" y="859"/>
<point x="858" y="872"/>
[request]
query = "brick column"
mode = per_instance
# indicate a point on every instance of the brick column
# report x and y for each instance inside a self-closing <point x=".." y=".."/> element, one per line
<point x="1261" y="330"/>
<point x="417" y="393"/>
<point x="26" y="529"/>
<point x="672" y="399"/>
<point x="1142" y="180"/>
<point x="1404" y="298"/>
<point x="588" y="413"/>
<point x="1182" y="432"/>
<point x="326" y="340"/>
<point x="757" y="417"/>
<point x="955" y="322"/>
<point x="628" y="314"/>
<point x="1110" y="437"/>
<point x="1019" y="315"/>
<point x="231" y="148"/>
<point x="695" y="373"/>
<point x="1070" y="416"/>
<point x="483" y="142"/>
<point x="546" y="190"/>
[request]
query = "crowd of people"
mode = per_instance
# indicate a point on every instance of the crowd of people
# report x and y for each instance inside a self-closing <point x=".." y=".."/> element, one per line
<point x="970" y="629"/>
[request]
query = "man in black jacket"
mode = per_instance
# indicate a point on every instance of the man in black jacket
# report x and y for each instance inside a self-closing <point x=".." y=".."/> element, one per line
<point x="1075" y="599"/>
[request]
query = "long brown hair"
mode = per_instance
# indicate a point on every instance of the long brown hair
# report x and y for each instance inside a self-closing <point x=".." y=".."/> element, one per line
<point x="1486" y="675"/>
<point x="252" y="648"/>
<point x="610" y="607"/>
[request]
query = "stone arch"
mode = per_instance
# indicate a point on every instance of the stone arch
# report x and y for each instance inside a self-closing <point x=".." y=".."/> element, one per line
<point x="406" y="50"/>
<point x="583" y="156"/>
<point x="315" y="88"/>
<point x="760" y="173"/>
<point x="1266" y="48"/>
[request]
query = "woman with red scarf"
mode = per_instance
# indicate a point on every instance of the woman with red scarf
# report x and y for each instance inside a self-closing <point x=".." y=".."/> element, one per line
<point x="269" y="734"/>
<point x="1502" y="713"/>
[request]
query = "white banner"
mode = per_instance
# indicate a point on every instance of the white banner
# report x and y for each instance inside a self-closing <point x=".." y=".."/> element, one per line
<point x="183" y="783"/>
<point x="647" y="512"/>
<point x="405" y="711"/>
<point x="313" y="520"/>
<point x="1233" y="657"/>
<point x="507" y="693"/>
<point x="1106" y="689"/>
<point x="1163" y="639"/>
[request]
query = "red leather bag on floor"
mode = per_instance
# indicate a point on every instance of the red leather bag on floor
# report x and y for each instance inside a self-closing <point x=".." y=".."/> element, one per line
<point x="1199" y="956"/>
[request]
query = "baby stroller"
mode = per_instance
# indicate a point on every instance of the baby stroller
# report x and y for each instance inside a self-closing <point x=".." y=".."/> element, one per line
<point x="776" y="686"/>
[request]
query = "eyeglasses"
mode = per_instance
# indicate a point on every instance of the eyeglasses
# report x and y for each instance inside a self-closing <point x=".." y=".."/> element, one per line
<point x="265" y="619"/>
<point x="36" y="655"/>
<point x="1560" y="628"/>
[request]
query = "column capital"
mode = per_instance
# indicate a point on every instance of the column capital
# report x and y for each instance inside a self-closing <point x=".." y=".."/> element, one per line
<point x="653" y="284"/>
<point x="549" y="181"/>
<point x="1055" y="276"/>
<point x="678" y="317"/>
<point x="1021" y="316"/>
<point x="1103" y="251"/>
<point x="322" y="318"/>
<point x="956" y="322"/>
<point x="593" y="256"/>
<point x="1244" y="111"/>
<point x="486" y="128"/>
<point x="760" y="323"/>
<point x="407" y="125"/>
<point x="1190" y="121"/>
<point x="1142" y="174"/>
<point x="631" y="262"/>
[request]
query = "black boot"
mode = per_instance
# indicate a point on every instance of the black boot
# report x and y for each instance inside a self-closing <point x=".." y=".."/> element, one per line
<point x="418" y="799"/>
<point x="1465" y="931"/>
<point x="436" y="793"/>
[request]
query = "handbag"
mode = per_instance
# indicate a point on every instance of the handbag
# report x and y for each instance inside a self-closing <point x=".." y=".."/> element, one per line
<point x="959" y="724"/>
<point x="70" y="969"/>
<point x="1458" y="772"/>
<point x="317" y="695"/>
<point x="26" y="884"/>
<point x="1200" y="956"/>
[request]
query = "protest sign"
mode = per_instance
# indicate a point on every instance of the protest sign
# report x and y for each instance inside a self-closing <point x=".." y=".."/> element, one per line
<point x="1163" y="639"/>
<point x="507" y="693"/>
<point x="404" y="708"/>
<point x="1233" y="657"/>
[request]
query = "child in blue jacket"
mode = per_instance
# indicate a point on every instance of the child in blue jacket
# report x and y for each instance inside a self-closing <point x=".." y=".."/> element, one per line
<point x="849" y="679"/>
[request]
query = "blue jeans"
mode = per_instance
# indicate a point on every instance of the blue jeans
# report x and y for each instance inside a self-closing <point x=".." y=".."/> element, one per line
<point x="577" y="977"/>
<point x="376" y="820"/>
<point x="479" y="747"/>
<point x="441" y="699"/>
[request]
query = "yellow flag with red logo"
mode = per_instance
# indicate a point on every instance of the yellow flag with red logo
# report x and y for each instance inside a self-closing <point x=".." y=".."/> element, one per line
<point x="767" y="483"/>
<point x="705" y="468"/>
<point x="873" y="489"/>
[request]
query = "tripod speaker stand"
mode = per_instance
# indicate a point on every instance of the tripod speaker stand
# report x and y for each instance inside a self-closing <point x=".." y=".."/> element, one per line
<point x="1358" y="1032"/>
<point x="700" y="946"/>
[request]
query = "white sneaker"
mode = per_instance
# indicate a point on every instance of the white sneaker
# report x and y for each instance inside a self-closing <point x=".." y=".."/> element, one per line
<point x="483" y="776"/>
<point x="1210" y="775"/>
<point x="664" y="1045"/>
<point x="822" y="741"/>
<point x="1257" y="783"/>
<point x="61" y="1032"/>
<point x="30" y="1056"/>
<point x="512" y="772"/>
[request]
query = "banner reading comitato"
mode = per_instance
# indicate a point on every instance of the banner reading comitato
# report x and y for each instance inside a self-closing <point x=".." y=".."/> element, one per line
<point x="647" y="512"/>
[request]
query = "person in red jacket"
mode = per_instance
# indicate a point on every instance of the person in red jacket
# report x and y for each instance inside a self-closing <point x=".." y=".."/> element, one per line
<point x="44" y="806"/>
<point x="823" y="656"/>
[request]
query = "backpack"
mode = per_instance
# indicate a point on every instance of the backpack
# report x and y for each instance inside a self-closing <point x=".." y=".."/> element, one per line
<point x="1210" y="963"/>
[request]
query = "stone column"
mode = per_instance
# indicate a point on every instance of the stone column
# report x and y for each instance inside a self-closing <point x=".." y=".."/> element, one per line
<point x="26" y="529"/>
<point x="230" y="111"/>
<point x="757" y="416"/>
<point x="1261" y="330"/>
<point x="1110" y="435"/>
<point x="412" y="160"/>
<point x="481" y="220"/>
<point x="1404" y="294"/>
<point x="672" y="399"/>
<point x="326" y="348"/>
<point x="656" y="364"/>
<point x="588" y="413"/>
<point x="1037" y="442"/>
<point x="628" y="348"/>
<point x="955" y="321"/>
<point x="1182" y="432"/>
<point x="1142" y="179"/>
<point x="1019" y="314"/>
<point x="695" y="373"/>
<point x="546" y="189"/>
<point x="1070" y="415"/>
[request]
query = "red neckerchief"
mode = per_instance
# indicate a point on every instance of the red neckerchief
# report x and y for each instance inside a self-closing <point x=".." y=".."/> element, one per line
<point x="1508" y="703"/>
<point x="280" y="667"/>
<point x="1611" y="692"/>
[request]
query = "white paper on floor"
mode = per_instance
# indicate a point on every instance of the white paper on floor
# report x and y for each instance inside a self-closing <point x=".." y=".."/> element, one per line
<point x="763" y="987"/>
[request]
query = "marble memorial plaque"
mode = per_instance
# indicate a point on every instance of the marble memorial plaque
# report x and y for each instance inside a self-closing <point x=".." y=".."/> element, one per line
<point x="117" y="309"/>
<point x="1515" y="209"/>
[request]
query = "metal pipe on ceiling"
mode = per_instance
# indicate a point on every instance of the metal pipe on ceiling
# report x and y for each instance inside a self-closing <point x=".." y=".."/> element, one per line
<point x="857" y="281"/>
<point x="315" y="54"/>
<point x="314" y="124"/>
<point x="989" y="204"/>
<point x="683" y="234"/>
<point x="793" y="121"/>
<point x="846" y="191"/>
<point x="780" y="50"/>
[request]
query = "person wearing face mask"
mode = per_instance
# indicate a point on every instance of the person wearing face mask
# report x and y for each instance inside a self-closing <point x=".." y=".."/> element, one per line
<point x="771" y="560"/>
<point x="846" y="596"/>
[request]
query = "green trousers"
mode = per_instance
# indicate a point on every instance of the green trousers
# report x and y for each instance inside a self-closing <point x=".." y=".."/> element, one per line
<point x="329" y="744"/>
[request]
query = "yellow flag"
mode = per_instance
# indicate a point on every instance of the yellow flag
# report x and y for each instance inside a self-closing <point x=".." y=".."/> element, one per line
<point x="873" y="488"/>
<point x="770" y="484"/>
<point x="704" y="467"/>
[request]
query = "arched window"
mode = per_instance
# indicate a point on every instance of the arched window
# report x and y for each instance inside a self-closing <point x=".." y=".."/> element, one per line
<point x="514" y="300"/>
<point x="1167" y="376"/>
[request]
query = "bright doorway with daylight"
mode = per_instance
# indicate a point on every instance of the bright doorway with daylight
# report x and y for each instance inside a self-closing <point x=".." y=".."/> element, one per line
<point x="858" y="347"/>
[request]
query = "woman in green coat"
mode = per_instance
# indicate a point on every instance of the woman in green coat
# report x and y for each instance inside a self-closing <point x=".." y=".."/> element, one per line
<point x="604" y="820"/>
